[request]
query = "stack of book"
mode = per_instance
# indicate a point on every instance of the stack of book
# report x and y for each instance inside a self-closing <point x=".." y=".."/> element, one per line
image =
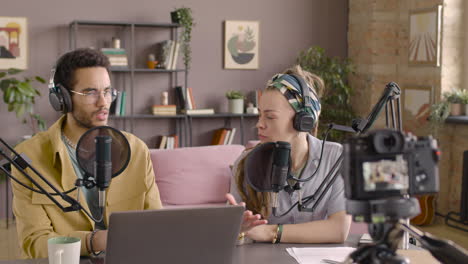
<point x="186" y="103"/>
<point x="163" y="110"/>
<point x="169" y="142"/>
<point x="118" y="106"/>
<point x="167" y="52"/>
<point x="117" y="57"/>
<point x="223" y="136"/>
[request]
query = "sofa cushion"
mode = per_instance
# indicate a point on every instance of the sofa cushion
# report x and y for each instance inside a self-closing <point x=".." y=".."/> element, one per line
<point x="196" y="175"/>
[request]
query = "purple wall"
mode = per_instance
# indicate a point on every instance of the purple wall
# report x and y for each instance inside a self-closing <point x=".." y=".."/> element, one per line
<point x="286" y="27"/>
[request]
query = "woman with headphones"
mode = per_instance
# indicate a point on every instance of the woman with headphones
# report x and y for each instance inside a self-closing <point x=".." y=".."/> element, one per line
<point x="289" y="109"/>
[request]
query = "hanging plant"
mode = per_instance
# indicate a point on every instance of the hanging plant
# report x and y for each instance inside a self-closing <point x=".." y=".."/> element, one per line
<point x="183" y="16"/>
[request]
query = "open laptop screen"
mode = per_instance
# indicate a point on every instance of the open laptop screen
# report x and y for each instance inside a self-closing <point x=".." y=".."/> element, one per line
<point x="179" y="235"/>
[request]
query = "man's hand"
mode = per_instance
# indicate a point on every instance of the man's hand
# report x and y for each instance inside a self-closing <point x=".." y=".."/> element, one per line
<point x="99" y="241"/>
<point x="249" y="220"/>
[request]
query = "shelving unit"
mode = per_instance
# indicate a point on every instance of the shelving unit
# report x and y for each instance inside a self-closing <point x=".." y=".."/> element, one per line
<point x="183" y="124"/>
<point x="227" y="122"/>
<point x="132" y="70"/>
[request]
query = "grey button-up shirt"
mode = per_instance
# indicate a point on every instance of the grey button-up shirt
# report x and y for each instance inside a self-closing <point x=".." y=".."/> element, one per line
<point x="332" y="202"/>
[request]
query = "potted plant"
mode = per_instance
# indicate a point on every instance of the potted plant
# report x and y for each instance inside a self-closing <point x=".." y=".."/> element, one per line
<point x="336" y="107"/>
<point x="456" y="98"/>
<point x="20" y="97"/>
<point x="235" y="102"/>
<point x="464" y="100"/>
<point x="183" y="17"/>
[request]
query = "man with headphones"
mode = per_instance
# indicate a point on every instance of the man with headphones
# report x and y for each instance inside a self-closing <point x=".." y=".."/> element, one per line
<point x="289" y="110"/>
<point x="80" y="89"/>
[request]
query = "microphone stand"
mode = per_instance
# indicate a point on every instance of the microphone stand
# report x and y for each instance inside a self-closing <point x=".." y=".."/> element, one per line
<point x="21" y="164"/>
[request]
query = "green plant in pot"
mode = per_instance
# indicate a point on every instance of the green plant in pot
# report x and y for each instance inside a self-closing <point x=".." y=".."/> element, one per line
<point x="183" y="16"/>
<point x="457" y="99"/>
<point x="235" y="102"/>
<point x="20" y="96"/>
<point x="336" y="98"/>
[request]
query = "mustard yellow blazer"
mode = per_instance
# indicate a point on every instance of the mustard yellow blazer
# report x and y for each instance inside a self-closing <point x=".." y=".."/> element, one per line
<point x="38" y="218"/>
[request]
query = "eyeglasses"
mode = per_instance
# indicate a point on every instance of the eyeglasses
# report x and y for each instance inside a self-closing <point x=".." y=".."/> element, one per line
<point x="92" y="97"/>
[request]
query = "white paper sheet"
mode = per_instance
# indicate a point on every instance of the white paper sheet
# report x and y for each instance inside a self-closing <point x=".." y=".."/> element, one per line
<point x="315" y="255"/>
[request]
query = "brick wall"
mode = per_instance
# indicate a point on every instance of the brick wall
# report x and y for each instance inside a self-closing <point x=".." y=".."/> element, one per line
<point x="378" y="35"/>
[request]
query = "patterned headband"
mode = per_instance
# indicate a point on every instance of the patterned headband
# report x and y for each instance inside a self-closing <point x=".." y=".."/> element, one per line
<point x="291" y="89"/>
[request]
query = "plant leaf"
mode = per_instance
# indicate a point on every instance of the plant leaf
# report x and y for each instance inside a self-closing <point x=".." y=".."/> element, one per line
<point x="39" y="79"/>
<point x="12" y="71"/>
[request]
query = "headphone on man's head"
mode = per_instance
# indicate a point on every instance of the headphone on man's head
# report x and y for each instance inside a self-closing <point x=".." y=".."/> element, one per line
<point x="303" y="121"/>
<point x="59" y="97"/>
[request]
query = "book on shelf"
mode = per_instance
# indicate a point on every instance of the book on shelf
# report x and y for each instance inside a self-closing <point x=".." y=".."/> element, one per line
<point x="117" y="57"/>
<point x="123" y="102"/>
<point x="181" y="96"/>
<point x="226" y="138"/>
<point x="215" y="138"/>
<point x="188" y="104"/>
<point x="169" y="142"/>
<point x="175" y="54"/>
<point x="203" y="111"/>
<point x="223" y="136"/>
<point x="190" y="98"/>
<point x="231" y="135"/>
<point x="162" y="143"/>
<point x="113" y="51"/>
<point x="164" y="110"/>
<point x="118" y="102"/>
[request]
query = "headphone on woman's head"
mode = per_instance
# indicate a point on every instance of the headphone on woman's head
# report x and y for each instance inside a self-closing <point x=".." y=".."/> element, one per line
<point x="59" y="97"/>
<point x="303" y="121"/>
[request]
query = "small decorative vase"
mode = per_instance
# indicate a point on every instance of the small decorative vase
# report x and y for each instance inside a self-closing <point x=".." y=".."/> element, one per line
<point x="236" y="106"/>
<point x="456" y="109"/>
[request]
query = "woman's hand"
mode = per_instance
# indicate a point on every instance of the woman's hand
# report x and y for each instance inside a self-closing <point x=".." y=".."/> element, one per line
<point x="264" y="233"/>
<point x="249" y="220"/>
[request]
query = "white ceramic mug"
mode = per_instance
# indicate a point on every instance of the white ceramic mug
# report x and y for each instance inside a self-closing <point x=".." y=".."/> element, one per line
<point x="64" y="250"/>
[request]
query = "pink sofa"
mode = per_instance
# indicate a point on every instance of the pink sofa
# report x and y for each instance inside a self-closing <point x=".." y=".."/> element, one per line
<point x="196" y="175"/>
<point x="201" y="175"/>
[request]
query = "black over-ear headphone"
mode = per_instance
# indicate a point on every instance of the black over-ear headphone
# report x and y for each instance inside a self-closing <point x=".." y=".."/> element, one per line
<point x="59" y="97"/>
<point x="303" y="121"/>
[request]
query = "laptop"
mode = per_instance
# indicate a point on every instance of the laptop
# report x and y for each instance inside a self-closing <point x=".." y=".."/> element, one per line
<point x="178" y="235"/>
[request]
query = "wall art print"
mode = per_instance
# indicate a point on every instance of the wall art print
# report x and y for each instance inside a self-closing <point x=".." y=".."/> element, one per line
<point x="424" y="36"/>
<point x="417" y="101"/>
<point x="13" y="43"/>
<point x="241" y="42"/>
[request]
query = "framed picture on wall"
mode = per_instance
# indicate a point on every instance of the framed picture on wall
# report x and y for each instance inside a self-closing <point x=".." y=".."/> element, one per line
<point x="13" y="43"/>
<point x="424" y="36"/>
<point x="417" y="101"/>
<point x="241" y="42"/>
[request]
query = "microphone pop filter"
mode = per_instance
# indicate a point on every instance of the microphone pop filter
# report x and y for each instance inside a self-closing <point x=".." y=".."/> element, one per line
<point x="86" y="150"/>
<point x="260" y="167"/>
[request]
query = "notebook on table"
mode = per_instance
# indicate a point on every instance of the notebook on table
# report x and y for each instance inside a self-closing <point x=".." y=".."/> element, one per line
<point x="177" y="236"/>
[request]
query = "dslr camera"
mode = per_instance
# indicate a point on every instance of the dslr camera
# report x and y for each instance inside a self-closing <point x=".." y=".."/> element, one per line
<point x="387" y="163"/>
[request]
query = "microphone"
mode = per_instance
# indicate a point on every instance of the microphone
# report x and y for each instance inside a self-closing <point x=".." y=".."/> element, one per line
<point x="280" y="169"/>
<point x="280" y="166"/>
<point x="103" y="166"/>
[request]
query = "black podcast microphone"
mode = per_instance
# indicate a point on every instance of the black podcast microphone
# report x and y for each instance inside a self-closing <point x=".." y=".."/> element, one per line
<point x="280" y="169"/>
<point x="103" y="166"/>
